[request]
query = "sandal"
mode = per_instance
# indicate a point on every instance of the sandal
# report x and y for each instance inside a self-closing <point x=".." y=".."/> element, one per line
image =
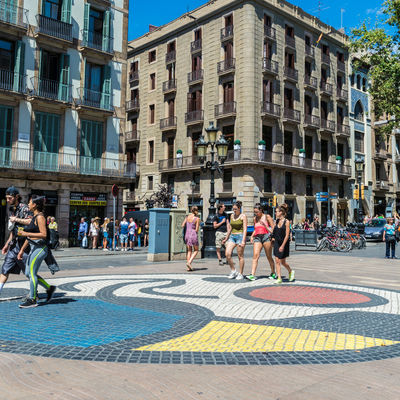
<point x="189" y="268"/>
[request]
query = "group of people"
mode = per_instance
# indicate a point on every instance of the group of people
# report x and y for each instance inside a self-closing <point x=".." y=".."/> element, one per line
<point x="124" y="235"/>
<point x="272" y="236"/>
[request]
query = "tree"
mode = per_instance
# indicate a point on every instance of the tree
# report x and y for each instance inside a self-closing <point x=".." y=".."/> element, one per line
<point x="162" y="198"/>
<point x="378" y="47"/>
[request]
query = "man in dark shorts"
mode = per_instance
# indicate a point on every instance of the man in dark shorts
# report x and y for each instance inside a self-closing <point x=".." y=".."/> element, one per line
<point x="221" y="230"/>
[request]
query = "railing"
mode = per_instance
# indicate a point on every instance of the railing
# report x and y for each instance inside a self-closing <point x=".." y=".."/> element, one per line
<point x="168" y="123"/>
<point x="97" y="41"/>
<point x="381" y="185"/>
<point x="341" y="66"/>
<point x="52" y="90"/>
<point x="133" y="76"/>
<point x="270" y="65"/>
<point x="132" y="105"/>
<point x="343" y="129"/>
<point x="327" y="125"/>
<point x="252" y="156"/>
<point x="291" y="73"/>
<point x="194" y="116"/>
<point x="54" y="27"/>
<point x="381" y="153"/>
<point x="129" y="196"/>
<point x="24" y="159"/>
<point x="13" y="15"/>
<point x="311" y="81"/>
<point x="132" y="136"/>
<point x="342" y="94"/>
<point x="227" y="32"/>
<point x="292" y="115"/>
<point x="309" y="50"/>
<point x="290" y="41"/>
<point x="270" y="32"/>
<point x="226" y="65"/>
<point x="196" y="45"/>
<point x="12" y="82"/>
<point x="225" y="109"/>
<point x="325" y="58"/>
<point x="326" y="88"/>
<point x="195" y="76"/>
<point x="170" y="56"/>
<point x="169" y="86"/>
<point x="270" y="109"/>
<point x="312" y="120"/>
<point x="94" y="99"/>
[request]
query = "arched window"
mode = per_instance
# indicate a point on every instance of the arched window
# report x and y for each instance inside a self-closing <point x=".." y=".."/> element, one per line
<point x="358" y="82"/>
<point x="359" y="111"/>
<point x="352" y="79"/>
<point x="364" y="85"/>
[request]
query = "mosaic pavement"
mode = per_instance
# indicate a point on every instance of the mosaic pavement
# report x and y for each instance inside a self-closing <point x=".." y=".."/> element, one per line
<point x="200" y="319"/>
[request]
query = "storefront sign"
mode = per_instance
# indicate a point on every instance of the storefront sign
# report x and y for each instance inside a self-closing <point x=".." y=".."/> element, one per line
<point x="51" y="196"/>
<point x="88" y="199"/>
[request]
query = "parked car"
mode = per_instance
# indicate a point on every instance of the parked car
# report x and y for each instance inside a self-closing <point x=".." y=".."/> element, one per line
<point x="374" y="229"/>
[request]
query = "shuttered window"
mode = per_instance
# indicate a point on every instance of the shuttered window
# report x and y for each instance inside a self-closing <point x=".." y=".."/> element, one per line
<point x="6" y="126"/>
<point x="91" y="139"/>
<point x="47" y="132"/>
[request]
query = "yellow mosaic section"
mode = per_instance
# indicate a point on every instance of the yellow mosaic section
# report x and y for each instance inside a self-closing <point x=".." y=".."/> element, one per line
<point x="219" y="336"/>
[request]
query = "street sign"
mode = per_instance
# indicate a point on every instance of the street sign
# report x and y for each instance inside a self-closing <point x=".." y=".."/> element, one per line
<point x="333" y="195"/>
<point x="322" y="196"/>
<point x="115" y="190"/>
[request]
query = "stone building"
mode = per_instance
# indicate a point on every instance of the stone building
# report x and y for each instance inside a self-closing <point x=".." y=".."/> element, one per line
<point x="256" y="70"/>
<point x="62" y="98"/>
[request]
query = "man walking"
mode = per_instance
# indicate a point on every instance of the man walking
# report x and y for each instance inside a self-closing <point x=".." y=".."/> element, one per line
<point x="220" y="227"/>
<point x="82" y="232"/>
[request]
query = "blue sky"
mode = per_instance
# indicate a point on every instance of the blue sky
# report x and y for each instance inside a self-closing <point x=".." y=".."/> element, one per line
<point x="161" y="12"/>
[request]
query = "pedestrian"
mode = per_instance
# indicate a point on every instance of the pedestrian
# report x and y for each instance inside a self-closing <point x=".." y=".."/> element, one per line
<point x="389" y="236"/>
<point x="192" y="223"/>
<point x="82" y="233"/>
<point x="36" y="237"/>
<point x="116" y="234"/>
<point x="261" y="238"/>
<point x="220" y="226"/>
<point x="139" y="233"/>
<point x="123" y="234"/>
<point x="236" y="237"/>
<point x="281" y="235"/>
<point x="132" y="230"/>
<point x="146" y="229"/>
<point x="110" y="233"/>
<point x="105" y="233"/>
<point x="94" y="232"/>
<point x="54" y="236"/>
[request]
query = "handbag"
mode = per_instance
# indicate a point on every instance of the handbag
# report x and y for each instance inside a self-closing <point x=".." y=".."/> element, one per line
<point x="397" y="235"/>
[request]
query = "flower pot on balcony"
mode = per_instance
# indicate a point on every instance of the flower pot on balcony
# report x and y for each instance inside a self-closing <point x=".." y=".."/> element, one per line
<point x="302" y="157"/>
<point x="261" y="150"/>
<point x="236" y="150"/>
<point x="179" y="158"/>
<point x="338" y="164"/>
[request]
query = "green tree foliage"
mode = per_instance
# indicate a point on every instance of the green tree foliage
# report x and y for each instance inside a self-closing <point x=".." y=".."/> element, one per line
<point x="378" y="47"/>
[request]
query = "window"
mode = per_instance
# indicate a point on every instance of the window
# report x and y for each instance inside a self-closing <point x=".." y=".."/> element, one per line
<point x="6" y="55"/>
<point x="352" y="78"/>
<point x="195" y="101"/>
<point x="359" y="82"/>
<point x="377" y="172"/>
<point x="229" y="20"/>
<point x="151" y="151"/>
<point x="289" y="31"/>
<point x="288" y="143"/>
<point x="229" y="92"/>
<point x="267" y="20"/>
<point x="171" y="47"/>
<point x="288" y="100"/>
<point x="364" y="85"/>
<point x="324" y="110"/>
<point x="308" y="146"/>
<point x="309" y="187"/>
<point x="267" y="180"/>
<point x="152" y="56"/>
<point x="149" y="183"/>
<point x="267" y="137"/>
<point x="152" y="81"/>
<point x="325" y="49"/>
<point x="195" y="138"/>
<point x="197" y="34"/>
<point x="170" y="148"/>
<point x="307" y="40"/>
<point x="324" y="75"/>
<point x="91" y="145"/>
<point x="308" y="105"/>
<point x="196" y="63"/>
<point x="341" y="188"/>
<point x="152" y="114"/>
<point x="196" y="180"/>
<point x="359" y="112"/>
<point x="171" y="183"/>
<point x="340" y="115"/>
<point x="267" y="52"/>
<point x="307" y="68"/>
<point x="47" y="132"/>
<point x="289" y="60"/>
<point x="227" y="180"/>
<point x="324" y="184"/>
<point x="52" y="9"/>
<point x="359" y="142"/>
<point x="288" y="183"/>
<point x="324" y="150"/>
<point x="268" y="91"/>
<point x="309" y="210"/>
<point x="6" y="129"/>
<point x="229" y="133"/>
<point x="340" y="150"/>
<point x="340" y="56"/>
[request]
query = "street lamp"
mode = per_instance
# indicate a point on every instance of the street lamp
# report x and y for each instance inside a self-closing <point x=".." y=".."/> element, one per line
<point x="213" y="165"/>
<point x="359" y="163"/>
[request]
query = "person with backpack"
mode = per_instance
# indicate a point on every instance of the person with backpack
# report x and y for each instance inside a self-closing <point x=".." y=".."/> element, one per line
<point x="389" y="237"/>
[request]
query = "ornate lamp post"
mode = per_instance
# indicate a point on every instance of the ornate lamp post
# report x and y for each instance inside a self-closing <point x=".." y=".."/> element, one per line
<point x="213" y="165"/>
<point x="359" y="163"/>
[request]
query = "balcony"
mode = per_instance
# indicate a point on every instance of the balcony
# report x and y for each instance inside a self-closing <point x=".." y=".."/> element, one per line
<point x="54" y="28"/>
<point x="195" y="77"/>
<point x="132" y="136"/>
<point x="270" y="110"/>
<point x="326" y="88"/>
<point x="325" y="59"/>
<point x="327" y="125"/>
<point x="194" y="117"/>
<point x="381" y="185"/>
<point x="269" y="32"/>
<point x="5" y="157"/>
<point x="343" y="130"/>
<point x="341" y="66"/>
<point x="133" y="76"/>
<point x="13" y="17"/>
<point x="170" y="57"/>
<point x="51" y="90"/>
<point x="225" y="110"/>
<point x="97" y="42"/>
<point x="270" y="66"/>
<point x="381" y="154"/>
<point x="290" y="74"/>
<point x="129" y="196"/>
<point x="12" y="82"/>
<point x="290" y="42"/>
<point x="95" y="100"/>
<point x="312" y="121"/>
<point x="309" y="51"/>
<point x="310" y="82"/>
<point x="196" y="46"/>
<point x="167" y="124"/>
<point x="227" y="33"/>
<point x="169" y="86"/>
<point x="342" y="94"/>
<point x="227" y="66"/>
<point x="132" y="105"/>
<point x="291" y="115"/>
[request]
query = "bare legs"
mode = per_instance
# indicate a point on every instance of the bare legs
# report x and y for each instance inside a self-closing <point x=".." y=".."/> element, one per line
<point x="278" y="264"/>
<point x="219" y="254"/>
<point x="190" y="256"/>
<point x="256" y="255"/>
<point x="240" y="252"/>
<point x="145" y="240"/>
<point x="268" y="253"/>
<point x="94" y="246"/>
<point x="229" y="246"/>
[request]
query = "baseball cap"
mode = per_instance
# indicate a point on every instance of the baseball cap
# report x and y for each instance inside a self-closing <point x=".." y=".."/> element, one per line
<point x="12" y="191"/>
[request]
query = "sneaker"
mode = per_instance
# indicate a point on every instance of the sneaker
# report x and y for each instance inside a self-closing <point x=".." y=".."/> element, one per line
<point x="251" y="277"/>
<point x="233" y="275"/>
<point x="278" y="281"/>
<point x="291" y="276"/>
<point x="29" y="303"/>
<point x="272" y="276"/>
<point x="239" y="276"/>
<point x="220" y="262"/>
<point x="50" y="292"/>
<point x="394" y="257"/>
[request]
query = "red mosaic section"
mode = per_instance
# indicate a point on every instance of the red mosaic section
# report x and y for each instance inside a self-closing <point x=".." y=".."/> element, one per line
<point x="308" y="295"/>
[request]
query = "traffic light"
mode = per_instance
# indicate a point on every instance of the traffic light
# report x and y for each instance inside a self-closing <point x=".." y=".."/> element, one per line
<point x="272" y="201"/>
<point x="356" y="193"/>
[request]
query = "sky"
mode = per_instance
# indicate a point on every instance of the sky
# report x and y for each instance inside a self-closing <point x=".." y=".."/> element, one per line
<point x="161" y="12"/>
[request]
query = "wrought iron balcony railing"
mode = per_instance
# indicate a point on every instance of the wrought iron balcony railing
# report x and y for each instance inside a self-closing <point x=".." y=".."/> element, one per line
<point x="132" y="105"/>
<point x="196" y="45"/>
<point x="132" y="136"/>
<point x="309" y="51"/>
<point x="12" y="82"/>
<point x="194" y="116"/>
<point x="195" y="76"/>
<point x="311" y="81"/>
<point x="227" y="65"/>
<point x="291" y="114"/>
<point x="271" y="109"/>
<point x="341" y="66"/>
<point x="325" y="58"/>
<point x="168" y="123"/>
<point x="227" y="32"/>
<point x="97" y="41"/>
<point x="269" y="32"/>
<point x="170" y="57"/>
<point x="342" y="94"/>
<point x="327" y="125"/>
<point x="94" y="99"/>
<point x="225" y="109"/>
<point x="326" y="88"/>
<point x="169" y="86"/>
<point x="13" y="15"/>
<point x="290" y="41"/>
<point x="270" y="66"/>
<point x="343" y="129"/>
<point x="54" y="27"/>
<point x="52" y="90"/>
<point x="312" y="120"/>
<point x="291" y="73"/>
<point x="133" y="76"/>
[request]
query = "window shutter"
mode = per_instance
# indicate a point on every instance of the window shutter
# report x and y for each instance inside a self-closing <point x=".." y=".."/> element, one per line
<point x="66" y="11"/>
<point x="63" y="90"/>
<point x="106" y="89"/>
<point x="19" y="66"/>
<point x="189" y="103"/>
<point x="86" y="24"/>
<point x="106" y="30"/>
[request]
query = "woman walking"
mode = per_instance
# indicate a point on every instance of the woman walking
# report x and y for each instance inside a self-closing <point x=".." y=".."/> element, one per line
<point x="389" y="236"/>
<point x="192" y="222"/>
<point x="36" y="234"/>
<point x="94" y="232"/>
<point x="146" y="227"/>
<point x="105" y="233"/>
<point x="281" y="235"/>
<point x="261" y="238"/>
<point x="236" y="237"/>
